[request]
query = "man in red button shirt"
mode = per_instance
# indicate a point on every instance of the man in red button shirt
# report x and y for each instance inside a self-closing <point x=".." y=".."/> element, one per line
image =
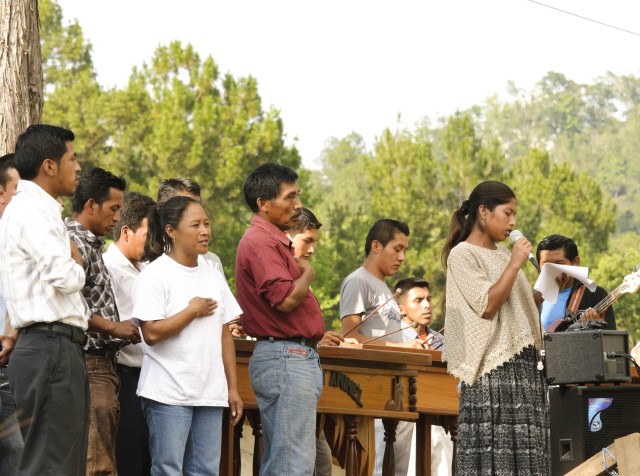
<point x="281" y="312"/>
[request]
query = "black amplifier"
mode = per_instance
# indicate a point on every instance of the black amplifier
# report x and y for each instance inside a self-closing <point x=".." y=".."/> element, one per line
<point x="577" y="357"/>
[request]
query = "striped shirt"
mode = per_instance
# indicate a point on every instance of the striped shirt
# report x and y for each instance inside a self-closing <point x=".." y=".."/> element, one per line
<point x="41" y="281"/>
<point x="97" y="290"/>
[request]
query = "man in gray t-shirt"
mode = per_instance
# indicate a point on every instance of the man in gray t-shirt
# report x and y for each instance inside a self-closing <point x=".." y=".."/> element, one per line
<point x="364" y="289"/>
<point x="362" y="292"/>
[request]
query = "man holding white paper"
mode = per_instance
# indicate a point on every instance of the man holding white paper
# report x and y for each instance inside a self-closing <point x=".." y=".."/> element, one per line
<point x="559" y="249"/>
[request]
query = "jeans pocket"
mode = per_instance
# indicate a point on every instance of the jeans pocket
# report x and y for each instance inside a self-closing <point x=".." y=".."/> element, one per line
<point x="265" y="378"/>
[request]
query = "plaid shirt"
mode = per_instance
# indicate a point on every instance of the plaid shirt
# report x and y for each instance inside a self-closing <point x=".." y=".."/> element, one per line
<point x="97" y="290"/>
<point x="409" y="334"/>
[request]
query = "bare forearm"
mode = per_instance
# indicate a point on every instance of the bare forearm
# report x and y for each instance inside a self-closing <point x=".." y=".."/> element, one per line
<point x="157" y="331"/>
<point x="100" y="324"/>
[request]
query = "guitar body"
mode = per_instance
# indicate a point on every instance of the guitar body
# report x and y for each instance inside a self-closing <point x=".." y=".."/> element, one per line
<point x="559" y="325"/>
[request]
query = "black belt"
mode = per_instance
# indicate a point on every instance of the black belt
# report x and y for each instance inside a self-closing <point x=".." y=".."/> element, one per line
<point x="105" y="352"/>
<point x="76" y="334"/>
<point x="298" y="340"/>
<point x="125" y="369"/>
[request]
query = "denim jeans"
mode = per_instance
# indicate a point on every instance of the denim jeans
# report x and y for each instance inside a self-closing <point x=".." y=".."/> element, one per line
<point x="287" y="380"/>
<point x="10" y="437"/>
<point x="183" y="439"/>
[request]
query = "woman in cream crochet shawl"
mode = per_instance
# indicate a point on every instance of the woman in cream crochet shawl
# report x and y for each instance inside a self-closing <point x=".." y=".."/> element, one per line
<point x="493" y="340"/>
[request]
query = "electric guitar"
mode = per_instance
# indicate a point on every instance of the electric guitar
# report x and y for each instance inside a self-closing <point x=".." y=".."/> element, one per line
<point x="630" y="284"/>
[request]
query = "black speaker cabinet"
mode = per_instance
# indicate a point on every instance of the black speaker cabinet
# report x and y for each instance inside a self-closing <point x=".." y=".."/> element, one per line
<point x="586" y="419"/>
<point x="579" y="357"/>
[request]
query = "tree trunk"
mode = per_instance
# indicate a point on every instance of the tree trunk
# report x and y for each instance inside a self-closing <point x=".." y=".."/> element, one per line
<point x="21" y="79"/>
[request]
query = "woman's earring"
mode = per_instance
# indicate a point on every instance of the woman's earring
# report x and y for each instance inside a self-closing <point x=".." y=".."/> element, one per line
<point x="483" y="222"/>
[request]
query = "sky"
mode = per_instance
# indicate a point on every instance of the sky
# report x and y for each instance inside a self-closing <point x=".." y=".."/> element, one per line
<point x="336" y="67"/>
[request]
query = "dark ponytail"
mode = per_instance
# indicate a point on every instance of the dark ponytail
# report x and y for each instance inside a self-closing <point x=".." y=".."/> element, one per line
<point x="490" y="194"/>
<point x="170" y="213"/>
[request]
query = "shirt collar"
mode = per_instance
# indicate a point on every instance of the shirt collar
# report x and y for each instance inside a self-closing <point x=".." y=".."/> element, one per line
<point x="31" y="188"/>
<point x="118" y="256"/>
<point x="84" y="231"/>
<point x="269" y="227"/>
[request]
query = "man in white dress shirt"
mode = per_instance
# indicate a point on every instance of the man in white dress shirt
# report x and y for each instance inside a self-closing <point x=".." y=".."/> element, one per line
<point x="124" y="260"/>
<point x="42" y="284"/>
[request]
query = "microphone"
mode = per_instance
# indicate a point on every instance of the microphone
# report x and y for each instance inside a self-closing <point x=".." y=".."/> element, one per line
<point x="414" y="326"/>
<point x="515" y="235"/>
<point x="398" y="293"/>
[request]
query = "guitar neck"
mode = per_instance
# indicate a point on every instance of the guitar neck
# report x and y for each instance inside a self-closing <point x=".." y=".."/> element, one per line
<point x="609" y="300"/>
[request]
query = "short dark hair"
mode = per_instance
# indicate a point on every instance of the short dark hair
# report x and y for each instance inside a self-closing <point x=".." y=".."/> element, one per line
<point x="555" y="242"/>
<point x="265" y="182"/>
<point x="95" y="184"/>
<point x="135" y="208"/>
<point x="408" y="284"/>
<point x="169" y="188"/>
<point x="38" y="143"/>
<point x="6" y="162"/>
<point x="171" y="212"/>
<point x="305" y="221"/>
<point x="383" y="231"/>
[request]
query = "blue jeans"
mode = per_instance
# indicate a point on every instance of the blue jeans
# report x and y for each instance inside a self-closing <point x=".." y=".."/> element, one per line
<point x="183" y="440"/>
<point x="287" y="380"/>
<point x="10" y="437"/>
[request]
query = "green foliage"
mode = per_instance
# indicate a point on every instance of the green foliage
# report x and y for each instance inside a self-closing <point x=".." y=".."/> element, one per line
<point x="177" y="117"/>
<point x="570" y="151"/>
<point x="609" y="271"/>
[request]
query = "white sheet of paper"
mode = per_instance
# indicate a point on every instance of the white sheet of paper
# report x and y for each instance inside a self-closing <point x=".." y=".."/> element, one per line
<point x="547" y="285"/>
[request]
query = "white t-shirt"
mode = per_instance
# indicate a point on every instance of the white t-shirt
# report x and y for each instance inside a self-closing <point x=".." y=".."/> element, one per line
<point x="186" y="369"/>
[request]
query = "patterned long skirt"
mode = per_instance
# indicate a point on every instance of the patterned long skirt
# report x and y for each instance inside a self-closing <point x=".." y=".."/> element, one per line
<point x="503" y="427"/>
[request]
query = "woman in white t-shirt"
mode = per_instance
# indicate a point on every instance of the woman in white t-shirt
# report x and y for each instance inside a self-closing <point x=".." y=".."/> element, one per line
<point x="183" y="307"/>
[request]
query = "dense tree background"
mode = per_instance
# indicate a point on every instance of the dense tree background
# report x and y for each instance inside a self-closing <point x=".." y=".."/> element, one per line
<point x="570" y="151"/>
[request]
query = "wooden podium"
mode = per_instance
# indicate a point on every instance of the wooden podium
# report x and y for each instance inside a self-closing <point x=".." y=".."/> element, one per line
<point x="359" y="385"/>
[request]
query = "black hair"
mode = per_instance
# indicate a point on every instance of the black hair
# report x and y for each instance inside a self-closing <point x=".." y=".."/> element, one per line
<point x="95" y="184"/>
<point x="383" y="231"/>
<point x="171" y="212"/>
<point x="135" y="208"/>
<point x="171" y="187"/>
<point x="408" y="284"/>
<point x="305" y="221"/>
<point x="490" y="194"/>
<point x="265" y="182"/>
<point x="555" y="242"/>
<point x="38" y="143"/>
<point x="6" y="162"/>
